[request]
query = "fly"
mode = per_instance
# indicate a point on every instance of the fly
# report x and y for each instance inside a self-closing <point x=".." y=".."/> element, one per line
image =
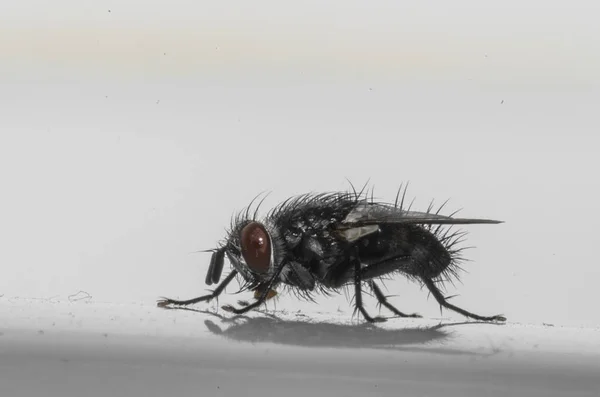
<point x="324" y="242"/>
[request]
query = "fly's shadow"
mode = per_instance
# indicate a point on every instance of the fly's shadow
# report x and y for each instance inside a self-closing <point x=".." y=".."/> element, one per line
<point x="272" y="329"/>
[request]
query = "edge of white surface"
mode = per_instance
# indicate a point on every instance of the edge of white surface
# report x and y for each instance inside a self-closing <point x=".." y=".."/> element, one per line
<point x="315" y="329"/>
<point x="59" y="348"/>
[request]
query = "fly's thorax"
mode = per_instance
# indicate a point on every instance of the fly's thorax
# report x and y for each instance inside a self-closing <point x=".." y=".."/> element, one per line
<point x="255" y="249"/>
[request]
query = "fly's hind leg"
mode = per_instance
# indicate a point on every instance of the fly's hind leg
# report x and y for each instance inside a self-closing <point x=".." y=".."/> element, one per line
<point x="382" y="299"/>
<point x="439" y="297"/>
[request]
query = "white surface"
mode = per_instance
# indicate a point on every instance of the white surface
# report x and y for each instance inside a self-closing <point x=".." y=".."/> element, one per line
<point x="85" y="348"/>
<point x="130" y="131"/>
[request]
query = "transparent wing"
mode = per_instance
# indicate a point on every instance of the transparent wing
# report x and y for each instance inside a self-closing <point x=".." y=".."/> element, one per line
<point x="377" y="213"/>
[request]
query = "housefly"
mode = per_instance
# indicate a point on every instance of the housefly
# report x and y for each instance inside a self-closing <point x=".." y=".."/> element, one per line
<point x="324" y="242"/>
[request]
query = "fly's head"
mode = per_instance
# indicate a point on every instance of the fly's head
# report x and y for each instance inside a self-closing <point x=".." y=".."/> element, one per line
<point x="254" y="250"/>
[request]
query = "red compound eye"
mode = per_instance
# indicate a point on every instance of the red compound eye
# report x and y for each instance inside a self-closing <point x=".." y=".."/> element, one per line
<point x="256" y="247"/>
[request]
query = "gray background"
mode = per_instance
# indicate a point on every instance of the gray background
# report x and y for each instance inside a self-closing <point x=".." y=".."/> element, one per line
<point x="131" y="131"/>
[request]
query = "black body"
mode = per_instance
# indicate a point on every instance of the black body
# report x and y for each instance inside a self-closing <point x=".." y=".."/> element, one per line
<point x="322" y="242"/>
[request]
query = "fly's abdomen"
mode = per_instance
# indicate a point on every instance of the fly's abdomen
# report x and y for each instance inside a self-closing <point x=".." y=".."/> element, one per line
<point x="410" y="249"/>
<point x="430" y="256"/>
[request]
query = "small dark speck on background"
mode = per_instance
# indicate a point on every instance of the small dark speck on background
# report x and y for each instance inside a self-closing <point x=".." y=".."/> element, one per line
<point x="41" y="332"/>
<point x="502" y="102"/>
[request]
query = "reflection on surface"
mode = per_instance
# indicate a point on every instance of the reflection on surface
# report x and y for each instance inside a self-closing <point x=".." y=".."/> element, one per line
<point x="300" y="332"/>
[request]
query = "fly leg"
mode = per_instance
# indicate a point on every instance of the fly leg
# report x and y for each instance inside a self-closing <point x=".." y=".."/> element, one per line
<point x="358" y="295"/>
<point x="439" y="297"/>
<point x="386" y="266"/>
<point x="381" y="268"/>
<point x="164" y="302"/>
<point x="265" y="294"/>
<point x="382" y="299"/>
<point x="257" y="293"/>
<point x="246" y="306"/>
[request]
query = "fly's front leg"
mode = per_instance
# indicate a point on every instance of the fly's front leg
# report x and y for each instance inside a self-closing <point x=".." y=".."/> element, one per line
<point x="267" y="293"/>
<point x="257" y="293"/>
<point x="437" y="294"/>
<point x="164" y="302"/>
<point x="246" y="306"/>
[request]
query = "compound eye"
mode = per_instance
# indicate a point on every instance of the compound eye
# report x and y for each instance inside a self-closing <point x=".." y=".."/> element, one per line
<point x="256" y="247"/>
